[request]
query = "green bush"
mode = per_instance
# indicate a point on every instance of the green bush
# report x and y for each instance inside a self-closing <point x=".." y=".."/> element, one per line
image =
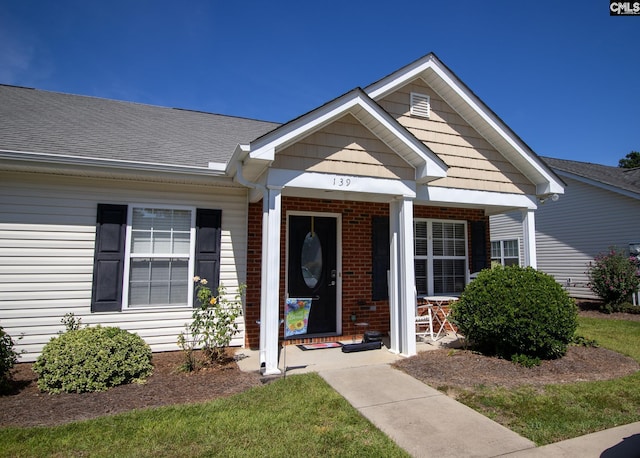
<point x="515" y="312"/>
<point x="92" y="359"/>
<point x="8" y="357"/>
<point x="613" y="277"/>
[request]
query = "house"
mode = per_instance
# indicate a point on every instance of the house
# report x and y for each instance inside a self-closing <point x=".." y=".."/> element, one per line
<point x="600" y="209"/>
<point x="108" y="209"/>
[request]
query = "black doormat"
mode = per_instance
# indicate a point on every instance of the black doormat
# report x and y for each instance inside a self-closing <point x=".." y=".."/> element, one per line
<point x="319" y="346"/>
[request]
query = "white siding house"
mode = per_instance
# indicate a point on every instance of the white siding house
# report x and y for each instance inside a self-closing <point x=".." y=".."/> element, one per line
<point x="600" y="209"/>
<point x="108" y="209"/>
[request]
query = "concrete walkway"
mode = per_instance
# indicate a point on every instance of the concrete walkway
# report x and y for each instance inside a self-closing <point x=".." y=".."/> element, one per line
<point x="426" y="422"/>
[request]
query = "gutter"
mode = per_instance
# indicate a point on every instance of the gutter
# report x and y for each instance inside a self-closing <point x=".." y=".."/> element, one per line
<point x="109" y="163"/>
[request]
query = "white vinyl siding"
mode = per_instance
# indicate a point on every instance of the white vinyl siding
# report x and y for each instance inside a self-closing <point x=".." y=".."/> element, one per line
<point x="47" y="234"/>
<point x="585" y="221"/>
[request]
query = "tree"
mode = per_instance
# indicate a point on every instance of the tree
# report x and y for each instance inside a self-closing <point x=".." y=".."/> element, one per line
<point x="630" y="161"/>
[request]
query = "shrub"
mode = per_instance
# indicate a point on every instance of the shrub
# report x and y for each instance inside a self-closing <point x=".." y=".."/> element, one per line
<point x="613" y="277"/>
<point x="213" y="325"/>
<point x="8" y="357"/>
<point x="516" y="313"/>
<point x="92" y="359"/>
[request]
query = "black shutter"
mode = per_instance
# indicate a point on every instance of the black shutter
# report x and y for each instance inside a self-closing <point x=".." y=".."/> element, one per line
<point x="108" y="263"/>
<point x="381" y="257"/>
<point x="479" y="258"/>
<point x="207" y="261"/>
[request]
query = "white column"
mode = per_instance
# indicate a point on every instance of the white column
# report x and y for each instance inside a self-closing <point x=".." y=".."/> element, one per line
<point x="402" y="301"/>
<point x="270" y="288"/>
<point x="393" y="279"/>
<point x="529" y="235"/>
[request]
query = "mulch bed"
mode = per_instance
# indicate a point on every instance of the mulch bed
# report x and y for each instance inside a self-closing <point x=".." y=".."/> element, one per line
<point x="464" y="369"/>
<point x="27" y="406"/>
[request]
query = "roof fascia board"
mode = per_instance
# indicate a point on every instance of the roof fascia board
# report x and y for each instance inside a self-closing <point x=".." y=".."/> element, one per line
<point x="540" y="174"/>
<point x="452" y="196"/>
<point x="598" y="184"/>
<point x="78" y="161"/>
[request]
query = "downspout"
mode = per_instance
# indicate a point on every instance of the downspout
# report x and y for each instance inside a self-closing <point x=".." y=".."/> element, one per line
<point x="263" y="281"/>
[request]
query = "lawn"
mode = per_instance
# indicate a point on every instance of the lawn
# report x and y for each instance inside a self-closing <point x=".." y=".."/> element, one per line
<point x="559" y="412"/>
<point x="303" y="416"/>
<point x="296" y="416"/>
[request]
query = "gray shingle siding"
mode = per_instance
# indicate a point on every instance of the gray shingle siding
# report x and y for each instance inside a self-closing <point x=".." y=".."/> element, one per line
<point x="55" y="123"/>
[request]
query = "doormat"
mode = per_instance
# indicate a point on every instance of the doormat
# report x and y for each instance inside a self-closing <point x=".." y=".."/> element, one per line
<point x="319" y="346"/>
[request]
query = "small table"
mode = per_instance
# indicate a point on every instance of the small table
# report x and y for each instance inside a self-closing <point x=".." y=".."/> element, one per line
<point x="435" y="310"/>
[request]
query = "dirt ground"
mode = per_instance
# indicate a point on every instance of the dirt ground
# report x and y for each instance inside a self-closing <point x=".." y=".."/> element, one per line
<point x="27" y="406"/>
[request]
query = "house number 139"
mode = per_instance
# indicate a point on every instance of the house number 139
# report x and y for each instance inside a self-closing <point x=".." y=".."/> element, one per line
<point x="341" y="182"/>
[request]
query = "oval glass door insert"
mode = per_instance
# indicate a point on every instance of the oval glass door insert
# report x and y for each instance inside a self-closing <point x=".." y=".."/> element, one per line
<point x="311" y="259"/>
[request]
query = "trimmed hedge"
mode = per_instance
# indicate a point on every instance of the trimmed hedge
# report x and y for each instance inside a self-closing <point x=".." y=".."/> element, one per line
<point x="8" y="357"/>
<point x="515" y="311"/>
<point x="92" y="359"/>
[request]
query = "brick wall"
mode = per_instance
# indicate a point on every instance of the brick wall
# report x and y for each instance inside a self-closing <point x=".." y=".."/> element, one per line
<point x="356" y="259"/>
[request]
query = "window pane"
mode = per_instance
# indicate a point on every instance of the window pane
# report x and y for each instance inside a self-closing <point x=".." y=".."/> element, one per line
<point x="142" y="218"/>
<point x="449" y="276"/>
<point x="495" y="251"/>
<point x="161" y="242"/>
<point x="181" y="220"/>
<point x="420" y="238"/>
<point x="181" y="243"/>
<point x="311" y="260"/>
<point x="158" y="281"/>
<point x="438" y="247"/>
<point x="448" y="247"/>
<point x="511" y="261"/>
<point x="510" y="248"/>
<point x="141" y="242"/>
<point x="159" y="270"/>
<point x="420" y="266"/>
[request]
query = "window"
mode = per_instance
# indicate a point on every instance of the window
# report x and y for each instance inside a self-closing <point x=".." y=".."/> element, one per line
<point x="505" y="252"/>
<point x="440" y="256"/>
<point x="160" y="242"/>
<point x="146" y="256"/>
<point x="420" y="105"/>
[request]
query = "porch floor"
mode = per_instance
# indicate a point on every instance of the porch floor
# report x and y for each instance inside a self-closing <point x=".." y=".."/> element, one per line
<point x="299" y="361"/>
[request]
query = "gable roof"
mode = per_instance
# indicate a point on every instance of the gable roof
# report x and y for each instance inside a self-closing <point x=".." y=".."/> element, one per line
<point x="617" y="178"/>
<point x="357" y="103"/>
<point x="478" y="115"/>
<point x="36" y="121"/>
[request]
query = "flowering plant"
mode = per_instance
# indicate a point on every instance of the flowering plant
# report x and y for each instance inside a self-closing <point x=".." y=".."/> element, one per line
<point x="613" y="277"/>
<point x="213" y="324"/>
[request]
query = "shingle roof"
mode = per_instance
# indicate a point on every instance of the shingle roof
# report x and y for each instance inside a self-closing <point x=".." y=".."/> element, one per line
<point x="626" y="179"/>
<point x="48" y="122"/>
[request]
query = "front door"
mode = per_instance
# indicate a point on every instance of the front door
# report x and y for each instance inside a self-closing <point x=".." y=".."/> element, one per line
<point x="312" y="270"/>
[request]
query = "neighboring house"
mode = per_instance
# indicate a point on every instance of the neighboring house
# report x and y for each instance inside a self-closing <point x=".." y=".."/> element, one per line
<point x="108" y="209"/>
<point x="600" y="210"/>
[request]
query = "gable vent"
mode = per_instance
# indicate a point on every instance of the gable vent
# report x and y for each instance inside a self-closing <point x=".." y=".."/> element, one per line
<point x="420" y="105"/>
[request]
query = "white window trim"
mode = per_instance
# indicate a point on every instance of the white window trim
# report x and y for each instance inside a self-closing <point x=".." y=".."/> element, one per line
<point x="420" y="105"/>
<point x="430" y="256"/>
<point x="127" y="256"/>
<point x="502" y="256"/>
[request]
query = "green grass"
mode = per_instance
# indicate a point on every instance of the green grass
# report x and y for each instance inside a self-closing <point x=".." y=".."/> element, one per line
<point x="297" y="416"/>
<point x="560" y="412"/>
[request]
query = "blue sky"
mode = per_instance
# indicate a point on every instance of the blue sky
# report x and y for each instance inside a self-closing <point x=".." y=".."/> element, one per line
<point x="565" y="76"/>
